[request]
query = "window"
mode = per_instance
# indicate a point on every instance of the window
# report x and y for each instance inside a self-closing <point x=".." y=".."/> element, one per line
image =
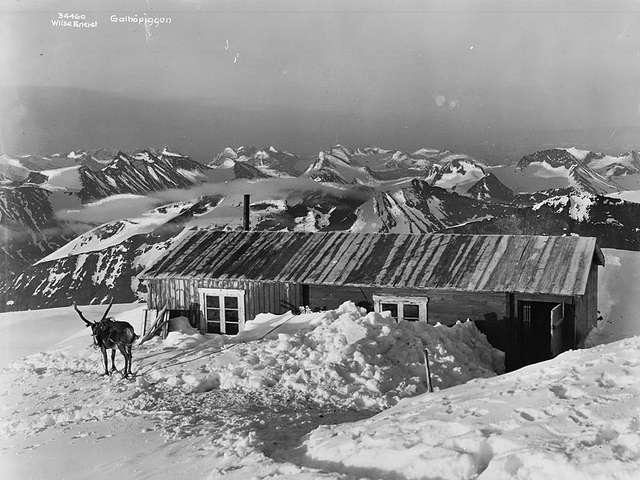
<point x="223" y="310"/>
<point x="411" y="312"/>
<point x="390" y="307"/>
<point x="412" y="309"/>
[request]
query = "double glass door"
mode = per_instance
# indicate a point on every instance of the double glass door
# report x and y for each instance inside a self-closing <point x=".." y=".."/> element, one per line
<point x="223" y="310"/>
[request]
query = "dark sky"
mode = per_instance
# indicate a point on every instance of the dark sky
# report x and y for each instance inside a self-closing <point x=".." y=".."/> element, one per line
<point x="489" y="78"/>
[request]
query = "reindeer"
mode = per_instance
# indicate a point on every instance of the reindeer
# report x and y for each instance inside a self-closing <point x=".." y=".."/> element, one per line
<point x="109" y="334"/>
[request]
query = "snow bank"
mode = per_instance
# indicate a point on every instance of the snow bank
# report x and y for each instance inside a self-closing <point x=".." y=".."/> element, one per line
<point x="618" y="299"/>
<point x="338" y="357"/>
<point x="576" y="416"/>
<point x="181" y="333"/>
<point x="263" y="323"/>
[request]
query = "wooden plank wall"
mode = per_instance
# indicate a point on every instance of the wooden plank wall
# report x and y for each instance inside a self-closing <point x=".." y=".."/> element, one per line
<point x="587" y="308"/>
<point x="494" y="313"/>
<point x="490" y="311"/>
<point x="259" y="297"/>
<point x="444" y="306"/>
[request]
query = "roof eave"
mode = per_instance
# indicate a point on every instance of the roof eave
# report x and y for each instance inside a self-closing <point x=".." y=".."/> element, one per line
<point x="598" y="256"/>
<point x="161" y="277"/>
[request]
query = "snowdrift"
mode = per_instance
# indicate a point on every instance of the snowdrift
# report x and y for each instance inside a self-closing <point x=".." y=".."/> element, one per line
<point x="576" y="416"/>
<point x="243" y="407"/>
<point x="618" y="300"/>
<point x="339" y="357"/>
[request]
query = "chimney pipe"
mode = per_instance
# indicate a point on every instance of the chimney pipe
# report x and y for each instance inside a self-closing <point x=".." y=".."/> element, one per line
<point x="247" y="200"/>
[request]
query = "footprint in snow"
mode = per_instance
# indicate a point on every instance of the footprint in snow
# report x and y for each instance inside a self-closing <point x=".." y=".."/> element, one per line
<point x="530" y="414"/>
<point x="606" y="381"/>
<point x="476" y="412"/>
<point x="527" y="416"/>
<point x="559" y="391"/>
<point x="565" y="392"/>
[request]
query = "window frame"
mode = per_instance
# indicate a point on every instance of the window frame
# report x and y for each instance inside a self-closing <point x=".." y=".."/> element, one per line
<point x="221" y="293"/>
<point x="421" y="302"/>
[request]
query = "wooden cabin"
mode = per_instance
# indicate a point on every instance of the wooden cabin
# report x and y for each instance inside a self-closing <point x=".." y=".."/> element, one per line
<point x="533" y="296"/>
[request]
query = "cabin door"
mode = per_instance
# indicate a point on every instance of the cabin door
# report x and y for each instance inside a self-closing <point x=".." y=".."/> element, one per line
<point x="540" y="327"/>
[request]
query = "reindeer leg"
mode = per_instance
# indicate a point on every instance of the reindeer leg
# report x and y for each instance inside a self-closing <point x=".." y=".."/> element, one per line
<point x="123" y="351"/>
<point x="130" y="358"/>
<point x="106" y="362"/>
<point x="113" y="360"/>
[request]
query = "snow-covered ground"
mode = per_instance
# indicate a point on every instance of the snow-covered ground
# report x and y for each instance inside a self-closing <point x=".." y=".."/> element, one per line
<point x="234" y="407"/>
<point x="335" y="395"/>
<point x="618" y="297"/>
<point x="574" y="417"/>
<point x="32" y="331"/>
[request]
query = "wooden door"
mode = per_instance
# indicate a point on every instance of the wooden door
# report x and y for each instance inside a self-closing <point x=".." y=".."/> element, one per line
<point x="535" y="334"/>
<point x="556" y="319"/>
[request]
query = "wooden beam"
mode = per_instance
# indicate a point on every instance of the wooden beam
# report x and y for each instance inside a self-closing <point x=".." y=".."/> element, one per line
<point x="543" y="297"/>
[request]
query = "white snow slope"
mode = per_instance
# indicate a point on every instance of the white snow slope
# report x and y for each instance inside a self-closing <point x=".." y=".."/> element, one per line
<point x="574" y="417"/>
<point x="114" y="233"/>
<point x="618" y="299"/>
<point x="208" y="407"/>
<point x="32" y="331"/>
<point x="218" y="406"/>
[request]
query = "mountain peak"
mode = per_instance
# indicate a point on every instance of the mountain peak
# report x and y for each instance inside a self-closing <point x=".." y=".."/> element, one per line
<point x="269" y="161"/>
<point x="586" y="170"/>
<point x="490" y="187"/>
<point x="588" y="180"/>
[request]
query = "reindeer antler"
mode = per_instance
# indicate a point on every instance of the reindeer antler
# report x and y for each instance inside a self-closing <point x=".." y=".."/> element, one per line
<point x="75" y="307"/>
<point x="106" y="312"/>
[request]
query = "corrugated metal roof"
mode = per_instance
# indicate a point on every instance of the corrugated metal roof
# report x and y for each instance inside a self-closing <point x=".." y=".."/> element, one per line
<point x="497" y="263"/>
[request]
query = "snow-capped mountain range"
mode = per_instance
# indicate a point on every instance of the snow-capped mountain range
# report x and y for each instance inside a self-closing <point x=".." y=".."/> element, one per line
<point x="373" y="165"/>
<point x="91" y="179"/>
<point x="415" y="206"/>
<point x="59" y="243"/>
<point x="587" y="170"/>
<point x="266" y="162"/>
<point x="490" y="187"/>
<point x="33" y="189"/>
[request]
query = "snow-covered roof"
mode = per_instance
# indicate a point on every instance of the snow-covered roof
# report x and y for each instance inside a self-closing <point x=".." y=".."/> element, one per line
<point x="495" y="263"/>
